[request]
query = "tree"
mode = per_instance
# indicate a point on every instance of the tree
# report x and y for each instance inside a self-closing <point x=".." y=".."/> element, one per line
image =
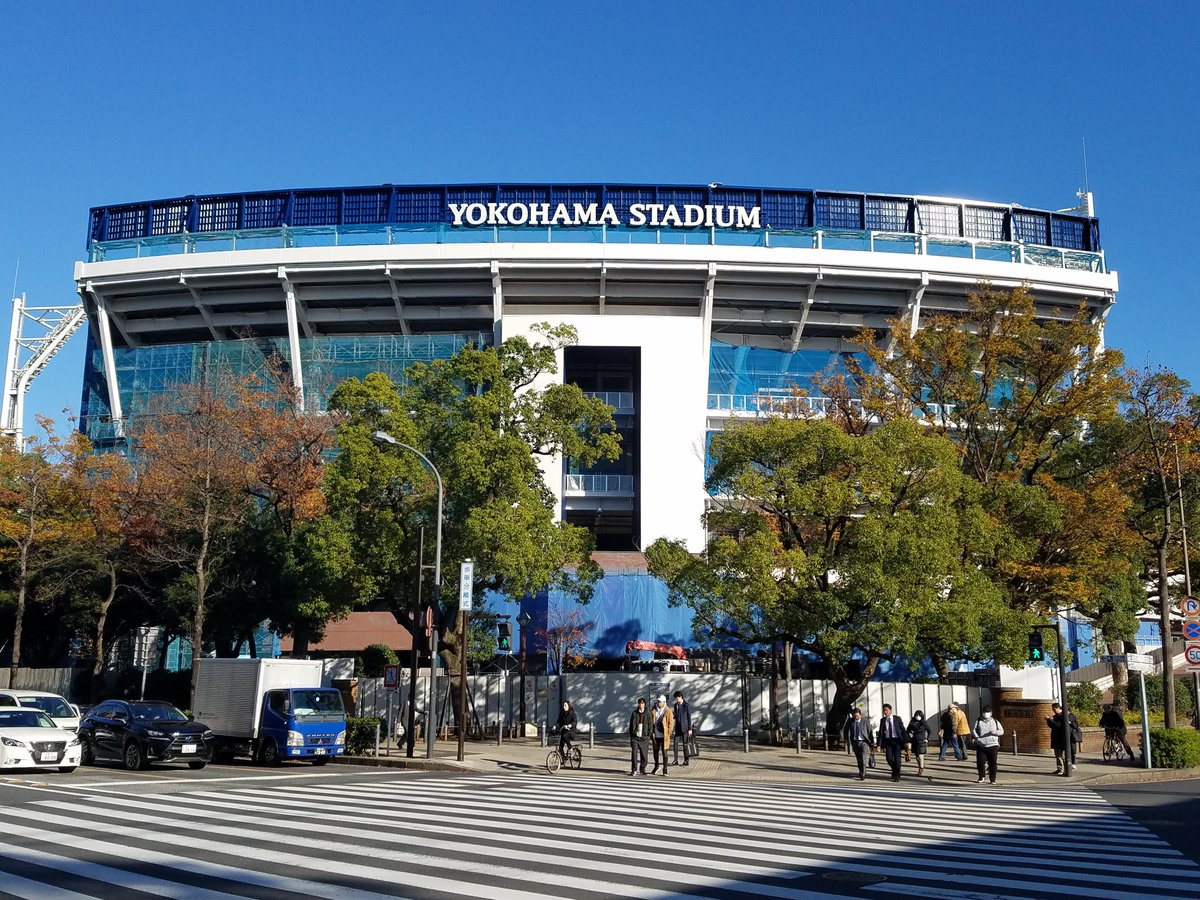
<point x="857" y="548"/>
<point x="566" y="637"/>
<point x="39" y="515"/>
<point x="484" y="418"/>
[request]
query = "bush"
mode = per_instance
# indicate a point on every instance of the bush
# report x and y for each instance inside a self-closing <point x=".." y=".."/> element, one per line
<point x="1174" y="748"/>
<point x="360" y="734"/>
<point x="1184" y="701"/>
<point x="1084" y="698"/>
<point x="375" y="657"/>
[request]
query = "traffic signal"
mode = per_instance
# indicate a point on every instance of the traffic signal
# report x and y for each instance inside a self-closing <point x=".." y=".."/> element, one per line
<point x="504" y="637"/>
<point x="1036" y="652"/>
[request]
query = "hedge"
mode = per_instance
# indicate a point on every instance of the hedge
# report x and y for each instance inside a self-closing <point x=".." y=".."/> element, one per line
<point x="360" y="734"/>
<point x="375" y="658"/>
<point x="1085" y="698"/>
<point x="1154" y="694"/>
<point x="1175" y="748"/>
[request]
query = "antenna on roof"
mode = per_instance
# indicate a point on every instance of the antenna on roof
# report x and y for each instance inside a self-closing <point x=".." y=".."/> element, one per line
<point x="1086" y="202"/>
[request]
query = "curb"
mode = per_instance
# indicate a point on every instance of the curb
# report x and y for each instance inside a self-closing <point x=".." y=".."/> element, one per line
<point x="428" y="765"/>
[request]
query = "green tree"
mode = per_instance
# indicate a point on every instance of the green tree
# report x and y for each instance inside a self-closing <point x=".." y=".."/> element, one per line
<point x="485" y="417"/>
<point x="858" y="548"/>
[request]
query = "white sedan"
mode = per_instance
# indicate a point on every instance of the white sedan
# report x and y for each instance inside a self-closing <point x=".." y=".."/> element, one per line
<point x="29" y="739"/>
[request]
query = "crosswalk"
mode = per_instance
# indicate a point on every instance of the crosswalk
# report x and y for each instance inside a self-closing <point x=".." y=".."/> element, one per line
<point x="573" y="835"/>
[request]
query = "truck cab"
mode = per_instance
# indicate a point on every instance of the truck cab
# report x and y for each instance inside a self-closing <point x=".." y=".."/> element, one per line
<point x="302" y="723"/>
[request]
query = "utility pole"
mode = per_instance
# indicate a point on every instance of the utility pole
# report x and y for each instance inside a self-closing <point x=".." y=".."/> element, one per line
<point x="465" y="595"/>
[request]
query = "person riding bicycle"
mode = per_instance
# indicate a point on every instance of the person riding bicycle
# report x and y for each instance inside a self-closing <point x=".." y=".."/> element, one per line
<point x="565" y="726"/>
<point x="1114" y="726"/>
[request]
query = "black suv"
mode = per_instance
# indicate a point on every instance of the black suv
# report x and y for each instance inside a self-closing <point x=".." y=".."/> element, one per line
<point x="138" y="732"/>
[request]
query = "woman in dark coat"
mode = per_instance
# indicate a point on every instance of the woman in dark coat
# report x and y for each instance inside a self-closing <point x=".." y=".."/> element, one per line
<point x="919" y="735"/>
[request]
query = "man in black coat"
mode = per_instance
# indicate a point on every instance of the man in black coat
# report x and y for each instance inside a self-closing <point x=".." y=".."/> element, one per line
<point x="892" y="736"/>
<point x="1059" y="742"/>
<point x="640" y="723"/>
<point x="857" y="733"/>
<point x="683" y="728"/>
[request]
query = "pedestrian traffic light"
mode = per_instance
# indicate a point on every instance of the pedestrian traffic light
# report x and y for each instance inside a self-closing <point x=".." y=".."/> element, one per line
<point x="1036" y="652"/>
<point x="504" y="637"/>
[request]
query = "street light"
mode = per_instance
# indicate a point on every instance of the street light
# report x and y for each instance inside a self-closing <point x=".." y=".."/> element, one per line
<point x="382" y="437"/>
<point x="523" y="620"/>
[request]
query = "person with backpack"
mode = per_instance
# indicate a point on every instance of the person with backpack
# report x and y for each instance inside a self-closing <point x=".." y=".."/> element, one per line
<point x="987" y="733"/>
<point x="948" y="734"/>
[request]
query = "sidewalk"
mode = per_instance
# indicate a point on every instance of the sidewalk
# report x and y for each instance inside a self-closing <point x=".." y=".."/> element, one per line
<point x="724" y="759"/>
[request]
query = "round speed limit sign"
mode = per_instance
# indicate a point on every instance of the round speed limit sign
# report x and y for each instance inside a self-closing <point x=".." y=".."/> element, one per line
<point x="1193" y="654"/>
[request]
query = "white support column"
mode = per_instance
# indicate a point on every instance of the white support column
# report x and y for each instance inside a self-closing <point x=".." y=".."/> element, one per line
<point x="104" y="326"/>
<point x="293" y="323"/>
<point x="603" y="286"/>
<point x="397" y="301"/>
<point x="10" y="423"/>
<point x="798" y="329"/>
<point x="497" y="301"/>
<point x="1100" y="320"/>
<point x="912" y="312"/>
<point x="706" y="313"/>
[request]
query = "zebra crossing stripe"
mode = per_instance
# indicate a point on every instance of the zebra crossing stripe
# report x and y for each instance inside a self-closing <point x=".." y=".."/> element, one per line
<point x="28" y="889"/>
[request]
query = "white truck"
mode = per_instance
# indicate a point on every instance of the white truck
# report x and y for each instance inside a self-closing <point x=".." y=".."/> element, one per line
<point x="270" y="710"/>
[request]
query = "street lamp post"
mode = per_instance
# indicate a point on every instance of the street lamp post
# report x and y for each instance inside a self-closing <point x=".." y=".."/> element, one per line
<point x="523" y="620"/>
<point x="382" y="437"/>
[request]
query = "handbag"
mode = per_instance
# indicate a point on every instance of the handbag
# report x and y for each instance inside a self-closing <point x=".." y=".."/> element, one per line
<point x="871" y="759"/>
<point x="693" y="747"/>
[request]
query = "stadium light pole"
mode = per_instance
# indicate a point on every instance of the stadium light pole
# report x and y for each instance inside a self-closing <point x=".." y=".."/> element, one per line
<point x="382" y="437"/>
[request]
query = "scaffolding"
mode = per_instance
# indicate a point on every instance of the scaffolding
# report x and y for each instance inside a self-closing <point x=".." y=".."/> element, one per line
<point x="36" y="335"/>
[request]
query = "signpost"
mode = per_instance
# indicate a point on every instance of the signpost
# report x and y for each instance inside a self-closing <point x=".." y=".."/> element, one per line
<point x="466" y="585"/>
<point x="145" y="649"/>
<point x="1141" y="663"/>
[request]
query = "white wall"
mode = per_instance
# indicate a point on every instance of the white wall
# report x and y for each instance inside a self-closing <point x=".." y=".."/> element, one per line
<point x="671" y="413"/>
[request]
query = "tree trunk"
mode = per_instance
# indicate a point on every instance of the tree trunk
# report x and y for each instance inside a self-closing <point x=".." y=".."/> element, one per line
<point x="941" y="667"/>
<point x="1164" y="621"/>
<point x="1120" y="673"/>
<point x="19" y="624"/>
<point x="250" y="645"/>
<point x="101" y="622"/>
<point x="198" y="618"/>
<point x="847" y="690"/>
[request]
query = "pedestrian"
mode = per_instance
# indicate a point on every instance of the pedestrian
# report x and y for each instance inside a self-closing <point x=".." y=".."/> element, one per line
<point x="948" y="734"/>
<point x="565" y="726"/>
<point x="919" y="735"/>
<point x="683" y="727"/>
<point x="640" y="724"/>
<point x="663" y="724"/>
<point x="857" y="734"/>
<point x="1060" y="743"/>
<point x="987" y="732"/>
<point x="962" y="730"/>
<point x="892" y="738"/>
<point x="1114" y="726"/>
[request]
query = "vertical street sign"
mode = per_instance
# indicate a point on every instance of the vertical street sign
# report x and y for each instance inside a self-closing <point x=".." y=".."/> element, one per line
<point x="466" y="578"/>
<point x="1189" y="608"/>
<point x="391" y="677"/>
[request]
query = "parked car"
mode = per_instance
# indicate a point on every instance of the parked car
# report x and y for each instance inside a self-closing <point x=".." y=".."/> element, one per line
<point x="29" y="739"/>
<point x="64" y="714"/>
<point x="136" y="733"/>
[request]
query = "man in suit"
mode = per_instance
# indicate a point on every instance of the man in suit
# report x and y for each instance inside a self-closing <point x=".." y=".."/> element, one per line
<point x="891" y="737"/>
<point x="683" y="727"/>
<point x="858" y="735"/>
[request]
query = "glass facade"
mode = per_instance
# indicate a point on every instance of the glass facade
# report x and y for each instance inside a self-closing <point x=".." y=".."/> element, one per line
<point x="147" y="373"/>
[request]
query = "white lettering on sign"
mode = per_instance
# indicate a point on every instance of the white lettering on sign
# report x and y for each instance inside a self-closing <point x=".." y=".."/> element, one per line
<point x="655" y="215"/>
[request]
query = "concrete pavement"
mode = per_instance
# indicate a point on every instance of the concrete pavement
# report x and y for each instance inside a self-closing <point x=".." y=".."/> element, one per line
<point x="724" y="759"/>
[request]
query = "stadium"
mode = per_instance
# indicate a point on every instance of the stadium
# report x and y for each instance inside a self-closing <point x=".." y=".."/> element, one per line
<point x="694" y="305"/>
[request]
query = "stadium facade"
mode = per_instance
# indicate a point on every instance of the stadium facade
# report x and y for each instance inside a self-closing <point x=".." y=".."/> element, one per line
<point x="694" y="305"/>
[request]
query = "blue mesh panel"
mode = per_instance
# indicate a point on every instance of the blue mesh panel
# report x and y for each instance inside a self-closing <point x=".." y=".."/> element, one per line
<point x="1031" y="227"/>
<point x="748" y="199"/>
<point x="264" y="210"/>
<point x="420" y="206"/>
<point x="471" y="195"/>
<point x="623" y="198"/>
<point x="939" y="218"/>
<point x="839" y="211"/>
<point x="984" y="222"/>
<point x="531" y="194"/>
<point x="168" y="218"/>
<point x="1068" y="233"/>
<point x="126" y="222"/>
<point x="217" y="213"/>
<point x="787" y="210"/>
<point x="887" y="214"/>
<point x="315" y="208"/>
<point x="680" y="196"/>
<point x="364" y="207"/>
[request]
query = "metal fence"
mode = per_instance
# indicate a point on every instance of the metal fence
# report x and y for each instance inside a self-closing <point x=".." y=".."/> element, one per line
<point x="57" y="681"/>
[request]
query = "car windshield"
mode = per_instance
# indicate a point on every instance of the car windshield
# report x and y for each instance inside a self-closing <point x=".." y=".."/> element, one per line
<point x="51" y="706"/>
<point x="156" y="712"/>
<point x="317" y="706"/>
<point x="11" y="717"/>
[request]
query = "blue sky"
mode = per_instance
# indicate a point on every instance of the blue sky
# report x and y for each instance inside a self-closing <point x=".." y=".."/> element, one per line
<point x="105" y="103"/>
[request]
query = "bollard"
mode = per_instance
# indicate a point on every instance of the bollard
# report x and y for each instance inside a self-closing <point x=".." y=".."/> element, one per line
<point x="500" y="730"/>
<point x="746" y="739"/>
<point x="798" y="731"/>
<point x="376" y="742"/>
<point x="542" y="733"/>
<point x="592" y="737"/>
<point x="1014" y="743"/>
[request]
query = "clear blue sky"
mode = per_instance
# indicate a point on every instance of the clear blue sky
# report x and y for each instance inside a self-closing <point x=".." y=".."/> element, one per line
<point x="105" y="103"/>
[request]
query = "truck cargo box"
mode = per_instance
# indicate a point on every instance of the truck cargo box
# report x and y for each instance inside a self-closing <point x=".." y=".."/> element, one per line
<point x="229" y="692"/>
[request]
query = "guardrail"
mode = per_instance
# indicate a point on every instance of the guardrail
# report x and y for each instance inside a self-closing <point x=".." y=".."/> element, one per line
<point x="285" y="237"/>
<point x="618" y="400"/>
<point x="611" y="485"/>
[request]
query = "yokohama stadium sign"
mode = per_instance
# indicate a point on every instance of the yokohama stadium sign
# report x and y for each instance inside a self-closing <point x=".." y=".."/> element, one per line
<point x="653" y="215"/>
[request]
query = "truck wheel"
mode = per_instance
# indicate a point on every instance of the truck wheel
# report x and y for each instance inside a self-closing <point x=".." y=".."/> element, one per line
<point x="134" y="757"/>
<point x="268" y="753"/>
<point x="320" y="760"/>
<point x="197" y="764"/>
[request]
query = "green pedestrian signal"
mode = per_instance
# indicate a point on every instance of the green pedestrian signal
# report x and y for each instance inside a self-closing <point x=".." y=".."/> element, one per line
<point x="1036" y="652"/>
<point x="504" y="637"/>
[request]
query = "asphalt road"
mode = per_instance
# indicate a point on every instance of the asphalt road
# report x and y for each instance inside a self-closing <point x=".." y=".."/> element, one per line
<point x="1170" y="809"/>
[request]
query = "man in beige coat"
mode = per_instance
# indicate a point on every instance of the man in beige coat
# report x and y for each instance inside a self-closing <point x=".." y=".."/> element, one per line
<point x="962" y="729"/>
<point x="660" y="731"/>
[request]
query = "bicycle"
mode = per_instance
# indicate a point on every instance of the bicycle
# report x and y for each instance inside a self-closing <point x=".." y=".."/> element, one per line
<point x="1113" y="748"/>
<point x="572" y="758"/>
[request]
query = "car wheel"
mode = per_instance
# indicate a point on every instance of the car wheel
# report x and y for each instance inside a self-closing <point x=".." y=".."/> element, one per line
<point x="134" y="757"/>
<point x="320" y="760"/>
<point x="197" y="764"/>
<point x="268" y="753"/>
<point x="86" y="757"/>
<point x="66" y="770"/>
